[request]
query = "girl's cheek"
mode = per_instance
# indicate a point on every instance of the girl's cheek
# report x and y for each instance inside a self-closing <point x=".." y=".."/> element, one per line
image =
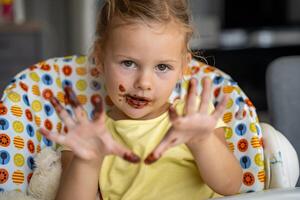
<point x="122" y="91"/>
<point x="122" y="88"/>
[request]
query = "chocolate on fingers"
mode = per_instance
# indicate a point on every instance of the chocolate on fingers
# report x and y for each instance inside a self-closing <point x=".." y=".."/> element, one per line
<point x="61" y="112"/>
<point x="71" y="97"/>
<point x="98" y="107"/>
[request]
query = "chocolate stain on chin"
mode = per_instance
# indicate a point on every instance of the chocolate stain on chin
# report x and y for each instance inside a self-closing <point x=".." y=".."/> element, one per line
<point x="121" y="88"/>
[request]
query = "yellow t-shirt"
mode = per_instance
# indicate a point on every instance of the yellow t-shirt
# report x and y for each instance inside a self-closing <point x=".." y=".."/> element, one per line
<point x="174" y="176"/>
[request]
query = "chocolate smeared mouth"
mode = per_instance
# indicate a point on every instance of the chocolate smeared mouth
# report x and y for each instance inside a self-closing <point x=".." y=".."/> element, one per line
<point x="139" y="98"/>
<point x="137" y="101"/>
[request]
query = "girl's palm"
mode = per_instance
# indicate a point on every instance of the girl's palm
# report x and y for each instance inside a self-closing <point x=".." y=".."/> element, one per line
<point x="195" y="125"/>
<point x="88" y="139"/>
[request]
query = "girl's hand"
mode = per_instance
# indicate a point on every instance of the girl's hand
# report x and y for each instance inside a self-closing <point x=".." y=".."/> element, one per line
<point x="195" y="126"/>
<point x="88" y="139"/>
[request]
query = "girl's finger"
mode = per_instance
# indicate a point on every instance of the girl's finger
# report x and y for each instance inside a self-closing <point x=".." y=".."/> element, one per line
<point x="172" y="114"/>
<point x="191" y="101"/>
<point x="205" y="95"/>
<point x="119" y="150"/>
<point x="62" y="113"/>
<point x="125" y="153"/>
<point x="80" y="113"/>
<point x="114" y="148"/>
<point x="98" y="111"/>
<point x="169" y="141"/>
<point x="76" y="148"/>
<point x="220" y="109"/>
<point x="53" y="136"/>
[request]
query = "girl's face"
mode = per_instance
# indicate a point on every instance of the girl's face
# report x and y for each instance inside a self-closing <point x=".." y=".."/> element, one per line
<point x="141" y="65"/>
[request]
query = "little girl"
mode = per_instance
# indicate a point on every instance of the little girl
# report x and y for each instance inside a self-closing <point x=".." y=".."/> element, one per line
<point x="145" y="148"/>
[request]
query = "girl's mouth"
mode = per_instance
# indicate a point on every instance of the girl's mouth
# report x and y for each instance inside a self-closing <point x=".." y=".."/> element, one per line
<point x="136" y="101"/>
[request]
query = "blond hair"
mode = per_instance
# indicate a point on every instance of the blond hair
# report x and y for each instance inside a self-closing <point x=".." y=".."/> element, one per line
<point x="161" y="11"/>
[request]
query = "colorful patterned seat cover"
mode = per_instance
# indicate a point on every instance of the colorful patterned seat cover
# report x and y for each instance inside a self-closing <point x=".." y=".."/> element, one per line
<point x="24" y="108"/>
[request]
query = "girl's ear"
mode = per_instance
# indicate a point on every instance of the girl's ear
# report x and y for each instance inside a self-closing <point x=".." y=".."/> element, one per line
<point x="99" y="64"/>
<point x="188" y="57"/>
<point x="186" y="61"/>
<point x="98" y="59"/>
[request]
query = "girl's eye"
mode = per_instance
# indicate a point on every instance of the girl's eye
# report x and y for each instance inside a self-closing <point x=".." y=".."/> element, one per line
<point x="163" y="67"/>
<point x="127" y="63"/>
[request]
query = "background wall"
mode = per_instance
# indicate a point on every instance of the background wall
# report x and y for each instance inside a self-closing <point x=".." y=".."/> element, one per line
<point x="53" y="15"/>
<point x="68" y="25"/>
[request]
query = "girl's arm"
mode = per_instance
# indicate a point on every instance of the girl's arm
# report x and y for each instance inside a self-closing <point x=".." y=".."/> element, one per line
<point x="89" y="141"/>
<point x="218" y="167"/>
<point x="196" y="128"/>
<point x="79" y="179"/>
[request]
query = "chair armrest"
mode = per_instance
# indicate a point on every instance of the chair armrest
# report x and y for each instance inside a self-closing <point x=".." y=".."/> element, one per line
<point x="281" y="160"/>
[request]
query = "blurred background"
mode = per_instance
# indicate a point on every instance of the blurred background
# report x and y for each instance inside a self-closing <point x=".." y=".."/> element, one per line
<point x="239" y="37"/>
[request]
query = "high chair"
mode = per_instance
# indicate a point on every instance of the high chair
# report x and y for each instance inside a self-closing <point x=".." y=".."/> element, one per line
<point x="266" y="156"/>
<point x="283" y="94"/>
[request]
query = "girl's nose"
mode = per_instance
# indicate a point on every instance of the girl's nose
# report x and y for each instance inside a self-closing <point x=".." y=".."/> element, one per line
<point x="144" y="81"/>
